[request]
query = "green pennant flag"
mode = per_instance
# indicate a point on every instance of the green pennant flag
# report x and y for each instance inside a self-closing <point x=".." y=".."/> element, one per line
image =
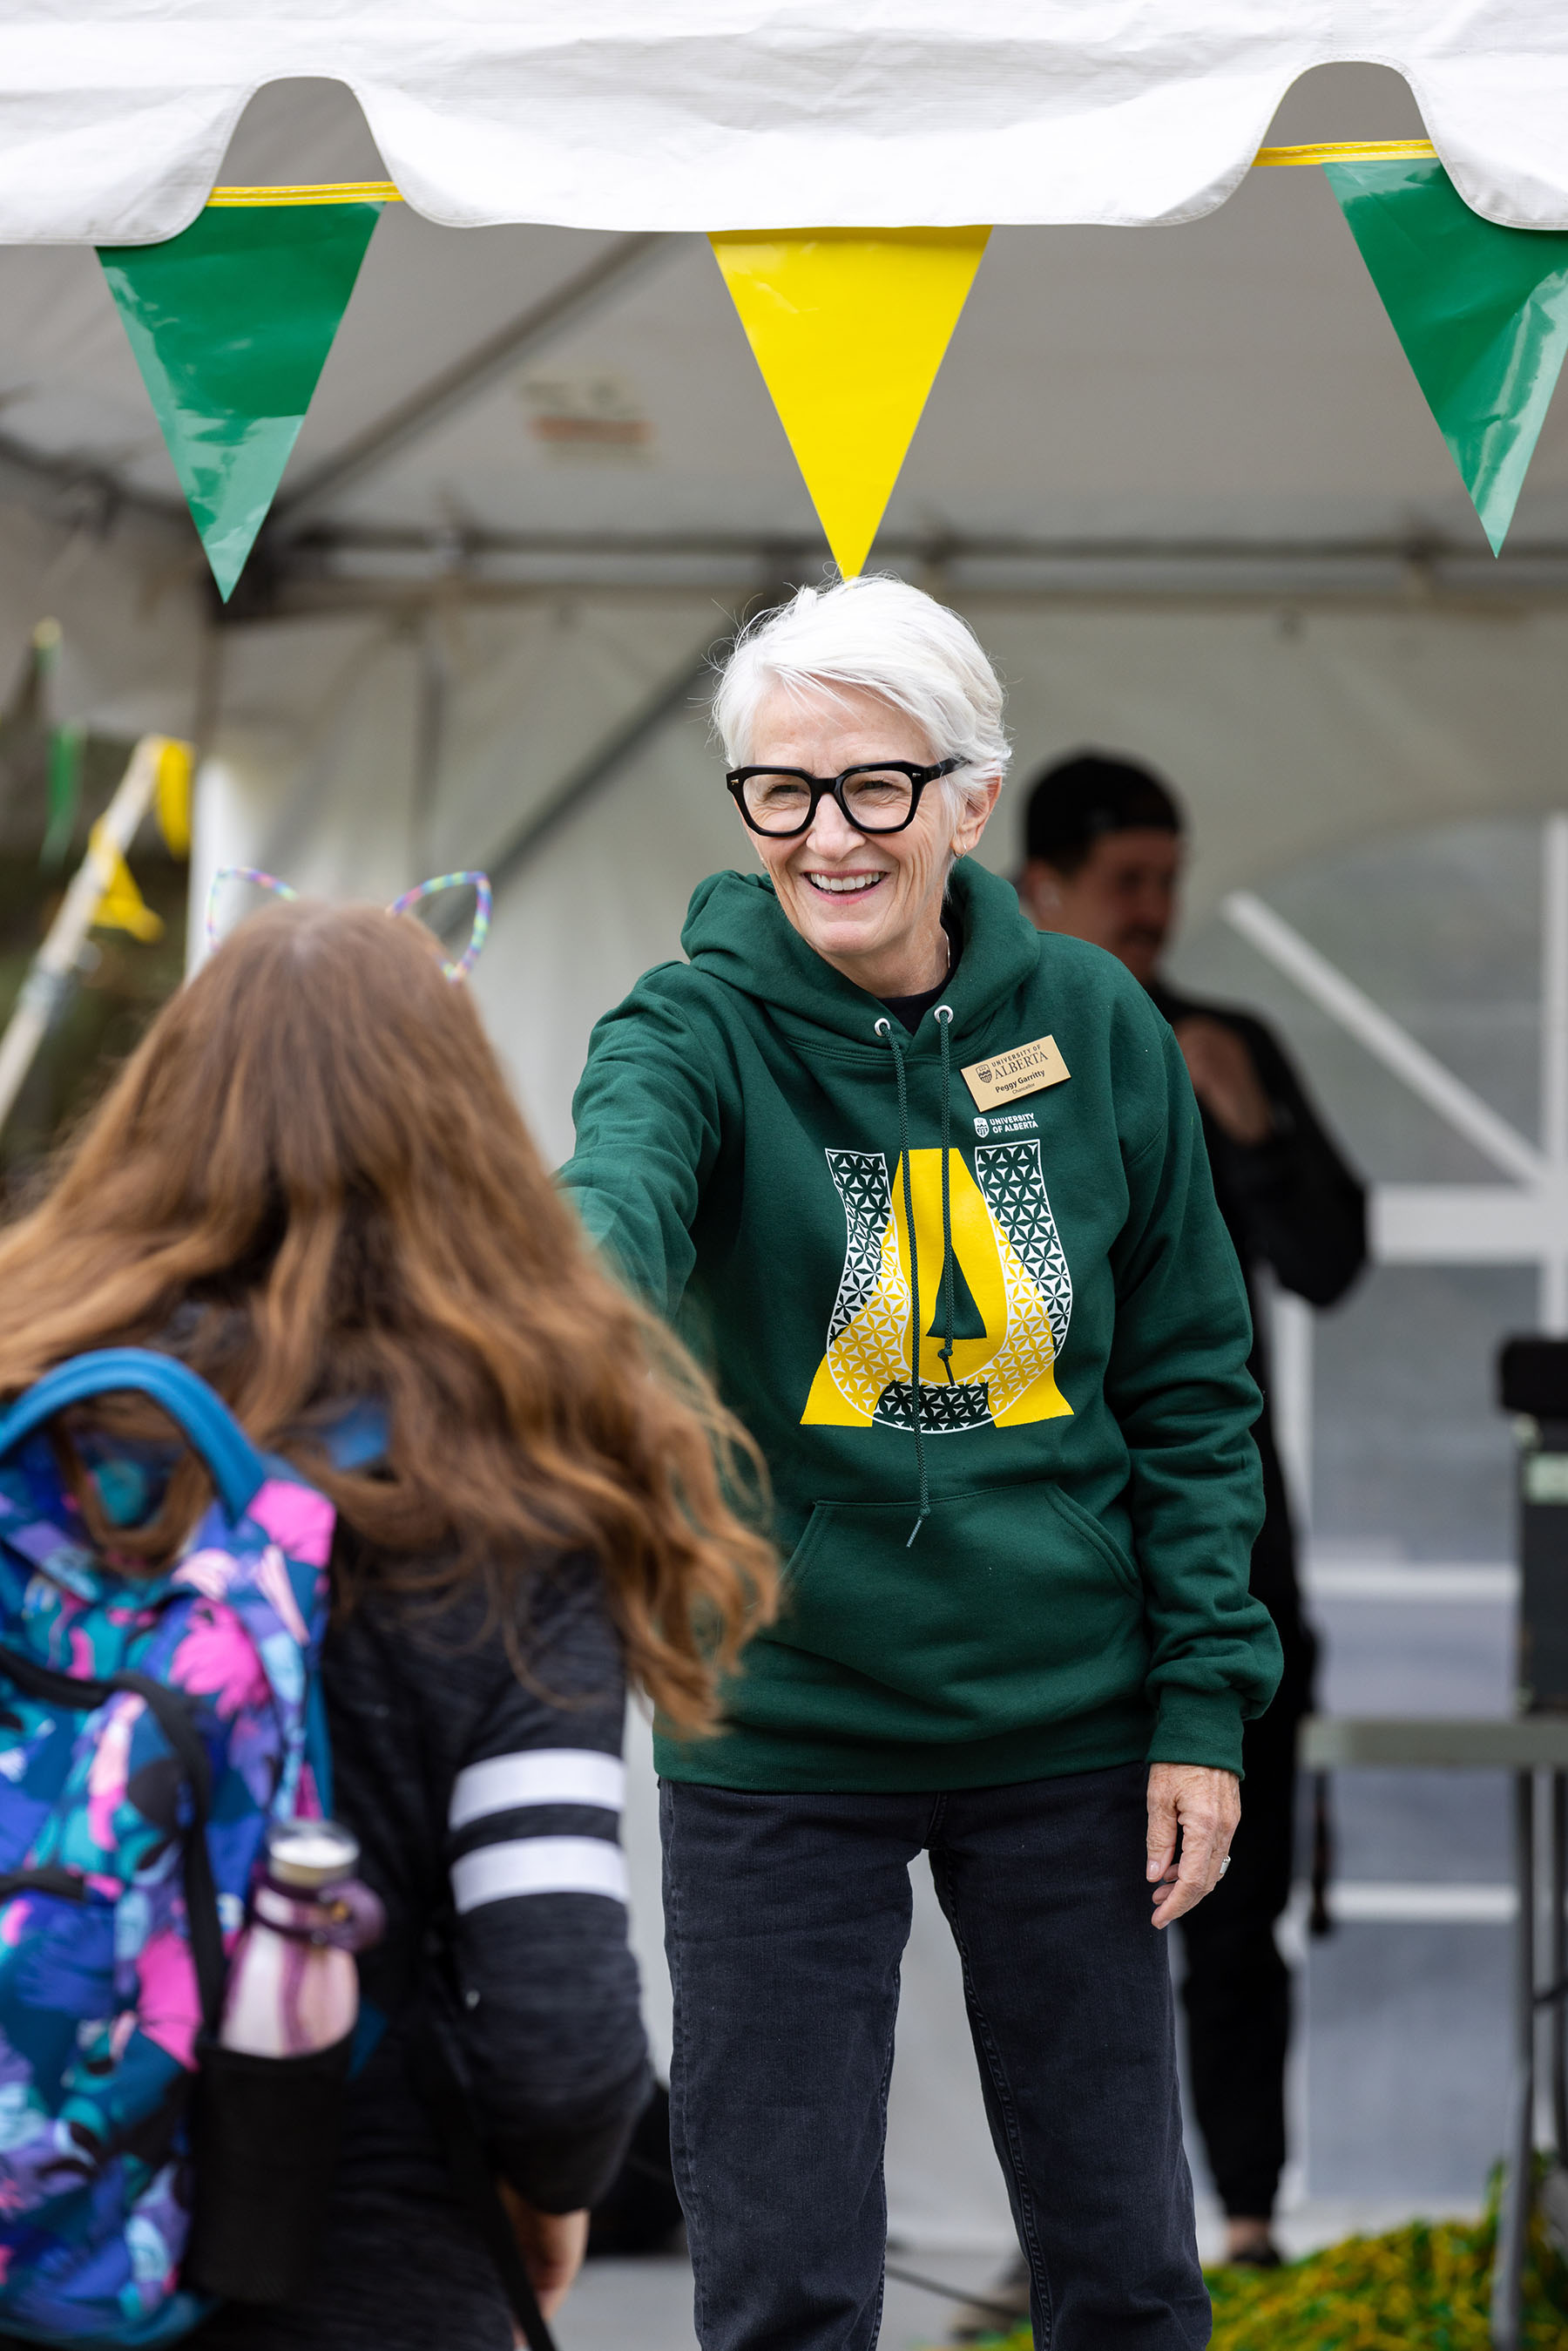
<point x="231" y="322"/>
<point x="1481" y="311"/>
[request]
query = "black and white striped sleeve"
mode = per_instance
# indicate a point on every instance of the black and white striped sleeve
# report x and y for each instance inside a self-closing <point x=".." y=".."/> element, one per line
<point x="551" y="2016"/>
<point x="543" y="1820"/>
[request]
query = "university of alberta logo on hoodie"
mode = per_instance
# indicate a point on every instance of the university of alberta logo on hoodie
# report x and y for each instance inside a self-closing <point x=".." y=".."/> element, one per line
<point x="1006" y="1246"/>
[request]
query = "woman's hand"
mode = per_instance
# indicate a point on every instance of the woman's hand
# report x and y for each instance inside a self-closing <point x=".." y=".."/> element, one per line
<point x="1205" y="1806"/>
<point x="552" y="2244"/>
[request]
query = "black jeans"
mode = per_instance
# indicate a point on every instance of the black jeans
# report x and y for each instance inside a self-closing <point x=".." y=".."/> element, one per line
<point x="786" y="1918"/>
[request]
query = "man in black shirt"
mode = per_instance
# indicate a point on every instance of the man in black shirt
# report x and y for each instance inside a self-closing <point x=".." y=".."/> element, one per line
<point x="1104" y="851"/>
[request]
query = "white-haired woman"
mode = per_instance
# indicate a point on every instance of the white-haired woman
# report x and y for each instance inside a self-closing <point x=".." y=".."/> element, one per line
<point x="927" y="1189"/>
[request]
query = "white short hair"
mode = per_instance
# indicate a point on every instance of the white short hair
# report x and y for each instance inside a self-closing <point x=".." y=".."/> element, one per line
<point x="880" y="636"/>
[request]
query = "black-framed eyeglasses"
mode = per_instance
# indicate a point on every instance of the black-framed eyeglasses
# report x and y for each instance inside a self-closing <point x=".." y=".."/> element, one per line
<point x="881" y="797"/>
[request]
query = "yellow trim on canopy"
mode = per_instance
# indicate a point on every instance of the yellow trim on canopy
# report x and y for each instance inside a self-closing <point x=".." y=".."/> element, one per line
<point x="328" y="191"/>
<point x="383" y="192"/>
<point x="1346" y="151"/>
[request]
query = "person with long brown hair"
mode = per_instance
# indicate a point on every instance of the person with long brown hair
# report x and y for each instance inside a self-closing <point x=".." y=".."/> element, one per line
<point x="311" y="1185"/>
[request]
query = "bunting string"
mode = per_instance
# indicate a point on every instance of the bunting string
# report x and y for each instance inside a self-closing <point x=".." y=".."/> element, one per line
<point x="1350" y="151"/>
<point x="383" y="192"/>
<point x="232" y="320"/>
<point x="319" y="191"/>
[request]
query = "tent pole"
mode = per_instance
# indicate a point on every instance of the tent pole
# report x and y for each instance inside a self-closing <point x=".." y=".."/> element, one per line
<point x="1354" y="1009"/>
<point x="582" y="783"/>
<point x="588" y="779"/>
<point x="49" y="976"/>
<point x="440" y="400"/>
<point x="503" y="563"/>
<point x="70" y="492"/>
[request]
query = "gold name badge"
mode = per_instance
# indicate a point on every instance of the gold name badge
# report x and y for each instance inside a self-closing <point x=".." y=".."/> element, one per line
<point x="1021" y="1070"/>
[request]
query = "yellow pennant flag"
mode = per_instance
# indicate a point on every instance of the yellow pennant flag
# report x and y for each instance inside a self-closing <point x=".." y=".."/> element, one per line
<point x="171" y="797"/>
<point x="849" y="326"/>
<point x="122" y="907"/>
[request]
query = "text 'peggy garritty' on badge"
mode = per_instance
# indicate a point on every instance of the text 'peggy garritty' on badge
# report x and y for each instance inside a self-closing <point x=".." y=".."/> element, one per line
<point x="1021" y="1070"/>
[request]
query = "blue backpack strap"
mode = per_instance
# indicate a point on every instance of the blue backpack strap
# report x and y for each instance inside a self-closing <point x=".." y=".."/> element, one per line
<point x="356" y="1440"/>
<point x="237" y="1469"/>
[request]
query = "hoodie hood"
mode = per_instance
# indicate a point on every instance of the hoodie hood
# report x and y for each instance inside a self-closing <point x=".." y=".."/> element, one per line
<point x="737" y="932"/>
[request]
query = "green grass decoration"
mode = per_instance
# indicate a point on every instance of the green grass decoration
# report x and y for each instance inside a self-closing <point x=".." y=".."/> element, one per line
<point x="1427" y="2284"/>
<point x="64" y="787"/>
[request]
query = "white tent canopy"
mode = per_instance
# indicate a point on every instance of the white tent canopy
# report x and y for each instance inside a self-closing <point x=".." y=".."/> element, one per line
<point x="700" y="114"/>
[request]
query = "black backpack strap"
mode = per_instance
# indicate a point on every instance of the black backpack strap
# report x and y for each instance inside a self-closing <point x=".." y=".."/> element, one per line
<point x="173" y="1712"/>
<point x="436" y="2078"/>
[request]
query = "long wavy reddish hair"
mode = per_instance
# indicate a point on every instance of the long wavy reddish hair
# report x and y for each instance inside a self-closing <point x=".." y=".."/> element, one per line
<point x="311" y="1182"/>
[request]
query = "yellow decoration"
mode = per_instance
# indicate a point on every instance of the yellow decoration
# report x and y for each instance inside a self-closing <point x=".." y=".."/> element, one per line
<point x="122" y="907"/>
<point x="316" y="191"/>
<point x="849" y="326"/>
<point x="1347" y="151"/>
<point x="1016" y="1357"/>
<point x="172" y="797"/>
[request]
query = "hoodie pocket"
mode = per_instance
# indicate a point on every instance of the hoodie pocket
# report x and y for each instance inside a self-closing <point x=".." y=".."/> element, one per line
<point x="1013" y="1607"/>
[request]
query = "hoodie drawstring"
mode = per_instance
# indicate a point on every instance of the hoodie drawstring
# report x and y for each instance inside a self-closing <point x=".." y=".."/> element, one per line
<point x="943" y="1017"/>
<point x="885" y="1029"/>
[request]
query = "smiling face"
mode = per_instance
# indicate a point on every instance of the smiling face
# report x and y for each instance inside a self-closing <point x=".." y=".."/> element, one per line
<point x="870" y="905"/>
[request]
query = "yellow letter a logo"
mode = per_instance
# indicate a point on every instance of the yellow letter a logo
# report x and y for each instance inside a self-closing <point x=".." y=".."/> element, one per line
<point x="1004" y="1239"/>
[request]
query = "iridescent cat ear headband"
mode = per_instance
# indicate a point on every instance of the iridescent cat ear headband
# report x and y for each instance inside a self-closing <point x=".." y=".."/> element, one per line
<point x="478" y="883"/>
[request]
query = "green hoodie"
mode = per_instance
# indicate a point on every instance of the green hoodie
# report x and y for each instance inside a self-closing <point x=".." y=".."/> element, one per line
<point x="1076" y="1596"/>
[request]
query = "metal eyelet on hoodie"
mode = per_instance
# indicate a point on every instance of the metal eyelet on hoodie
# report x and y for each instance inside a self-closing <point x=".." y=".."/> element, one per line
<point x="944" y="1015"/>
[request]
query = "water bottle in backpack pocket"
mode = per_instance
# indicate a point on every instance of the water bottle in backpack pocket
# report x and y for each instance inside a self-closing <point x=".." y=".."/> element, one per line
<point x="269" y="2092"/>
<point x="152" y="1730"/>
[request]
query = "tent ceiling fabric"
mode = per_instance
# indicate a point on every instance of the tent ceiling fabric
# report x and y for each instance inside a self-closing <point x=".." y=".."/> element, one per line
<point x="706" y="114"/>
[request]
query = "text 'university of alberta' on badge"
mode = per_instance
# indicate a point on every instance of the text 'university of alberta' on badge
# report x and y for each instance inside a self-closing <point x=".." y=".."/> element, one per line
<point x="1021" y="1070"/>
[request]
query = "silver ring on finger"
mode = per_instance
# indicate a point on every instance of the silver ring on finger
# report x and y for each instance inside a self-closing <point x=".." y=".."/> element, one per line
<point x="1224" y="1864"/>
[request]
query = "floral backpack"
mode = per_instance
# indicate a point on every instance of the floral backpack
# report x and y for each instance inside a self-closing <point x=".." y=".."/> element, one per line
<point x="152" y="1726"/>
